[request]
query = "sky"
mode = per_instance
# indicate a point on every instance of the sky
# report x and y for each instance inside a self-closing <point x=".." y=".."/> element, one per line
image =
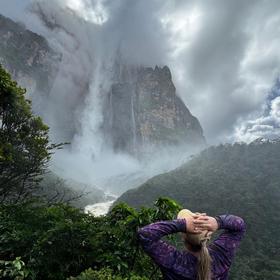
<point x="224" y="55"/>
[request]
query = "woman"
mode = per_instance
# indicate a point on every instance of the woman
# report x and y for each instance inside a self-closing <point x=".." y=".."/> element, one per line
<point x="199" y="260"/>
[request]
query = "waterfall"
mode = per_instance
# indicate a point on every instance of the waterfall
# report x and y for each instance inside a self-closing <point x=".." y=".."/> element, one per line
<point x="111" y="108"/>
<point x="134" y="140"/>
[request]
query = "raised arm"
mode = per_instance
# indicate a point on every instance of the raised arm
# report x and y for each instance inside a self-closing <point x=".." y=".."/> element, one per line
<point x="161" y="252"/>
<point x="229" y="240"/>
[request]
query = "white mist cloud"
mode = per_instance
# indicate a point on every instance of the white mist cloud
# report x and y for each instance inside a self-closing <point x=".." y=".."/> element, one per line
<point x="93" y="11"/>
<point x="265" y="125"/>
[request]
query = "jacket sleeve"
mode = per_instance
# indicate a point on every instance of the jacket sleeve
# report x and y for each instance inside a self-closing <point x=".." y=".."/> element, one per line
<point x="161" y="252"/>
<point x="229" y="240"/>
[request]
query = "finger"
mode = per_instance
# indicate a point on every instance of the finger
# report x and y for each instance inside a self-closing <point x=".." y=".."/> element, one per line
<point x="197" y="214"/>
<point x="203" y="218"/>
<point x="203" y="227"/>
<point x="199" y="221"/>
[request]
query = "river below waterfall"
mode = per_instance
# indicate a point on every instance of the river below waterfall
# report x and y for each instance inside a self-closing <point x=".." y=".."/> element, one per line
<point x="101" y="208"/>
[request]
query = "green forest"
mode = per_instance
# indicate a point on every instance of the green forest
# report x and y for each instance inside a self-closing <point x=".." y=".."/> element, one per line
<point x="43" y="240"/>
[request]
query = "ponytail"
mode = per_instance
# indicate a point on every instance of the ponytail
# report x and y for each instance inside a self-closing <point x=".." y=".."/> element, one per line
<point x="204" y="263"/>
<point x="198" y="243"/>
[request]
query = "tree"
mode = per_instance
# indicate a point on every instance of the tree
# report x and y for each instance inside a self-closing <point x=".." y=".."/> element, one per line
<point x="58" y="241"/>
<point x="25" y="149"/>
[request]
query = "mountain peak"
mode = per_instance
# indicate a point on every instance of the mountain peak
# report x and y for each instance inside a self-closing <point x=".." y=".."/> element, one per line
<point x="143" y="112"/>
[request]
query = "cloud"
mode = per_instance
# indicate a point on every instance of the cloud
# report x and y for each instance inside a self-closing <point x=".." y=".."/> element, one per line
<point x="15" y="9"/>
<point x="266" y="125"/>
<point x="224" y="58"/>
<point x="230" y="63"/>
<point x="223" y="54"/>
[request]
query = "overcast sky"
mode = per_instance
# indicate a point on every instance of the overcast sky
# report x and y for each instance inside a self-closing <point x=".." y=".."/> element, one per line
<point x="224" y="55"/>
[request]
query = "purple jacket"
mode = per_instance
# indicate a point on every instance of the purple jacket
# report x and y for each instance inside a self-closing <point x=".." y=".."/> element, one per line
<point x="181" y="265"/>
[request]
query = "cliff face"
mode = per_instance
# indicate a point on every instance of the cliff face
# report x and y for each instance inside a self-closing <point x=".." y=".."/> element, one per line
<point x="143" y="111"/>
<point x="27" y="56"/>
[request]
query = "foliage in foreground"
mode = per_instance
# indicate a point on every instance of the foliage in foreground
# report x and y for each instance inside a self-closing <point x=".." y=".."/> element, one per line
<point x="104" y="274"/>
<point x="13" y="269"/>
<point x="24" y="144"/>
<point x="59" y="241"/>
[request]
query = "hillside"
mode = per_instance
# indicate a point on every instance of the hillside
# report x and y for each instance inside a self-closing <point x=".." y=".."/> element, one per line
<point x="55" y="189"/>
<point x="224" y="174"/>
<point x="240" y="179"/>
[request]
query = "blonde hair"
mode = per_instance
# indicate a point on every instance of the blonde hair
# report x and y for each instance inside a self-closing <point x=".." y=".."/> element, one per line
<point x="198" y="243"/>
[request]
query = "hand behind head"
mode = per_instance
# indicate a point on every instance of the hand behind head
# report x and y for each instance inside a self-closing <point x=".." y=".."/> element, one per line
<point x="203" y="222"/>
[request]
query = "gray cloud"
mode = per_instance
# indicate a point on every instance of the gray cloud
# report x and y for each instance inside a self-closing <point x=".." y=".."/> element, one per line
<point x="224" y="57"/>
<point x="228" y="68"/>
<point x="223" y="54"/>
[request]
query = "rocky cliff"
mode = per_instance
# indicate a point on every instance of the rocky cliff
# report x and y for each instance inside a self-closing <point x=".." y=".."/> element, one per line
<point x="27" y="56"/>
<point x="143" y="112"/>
